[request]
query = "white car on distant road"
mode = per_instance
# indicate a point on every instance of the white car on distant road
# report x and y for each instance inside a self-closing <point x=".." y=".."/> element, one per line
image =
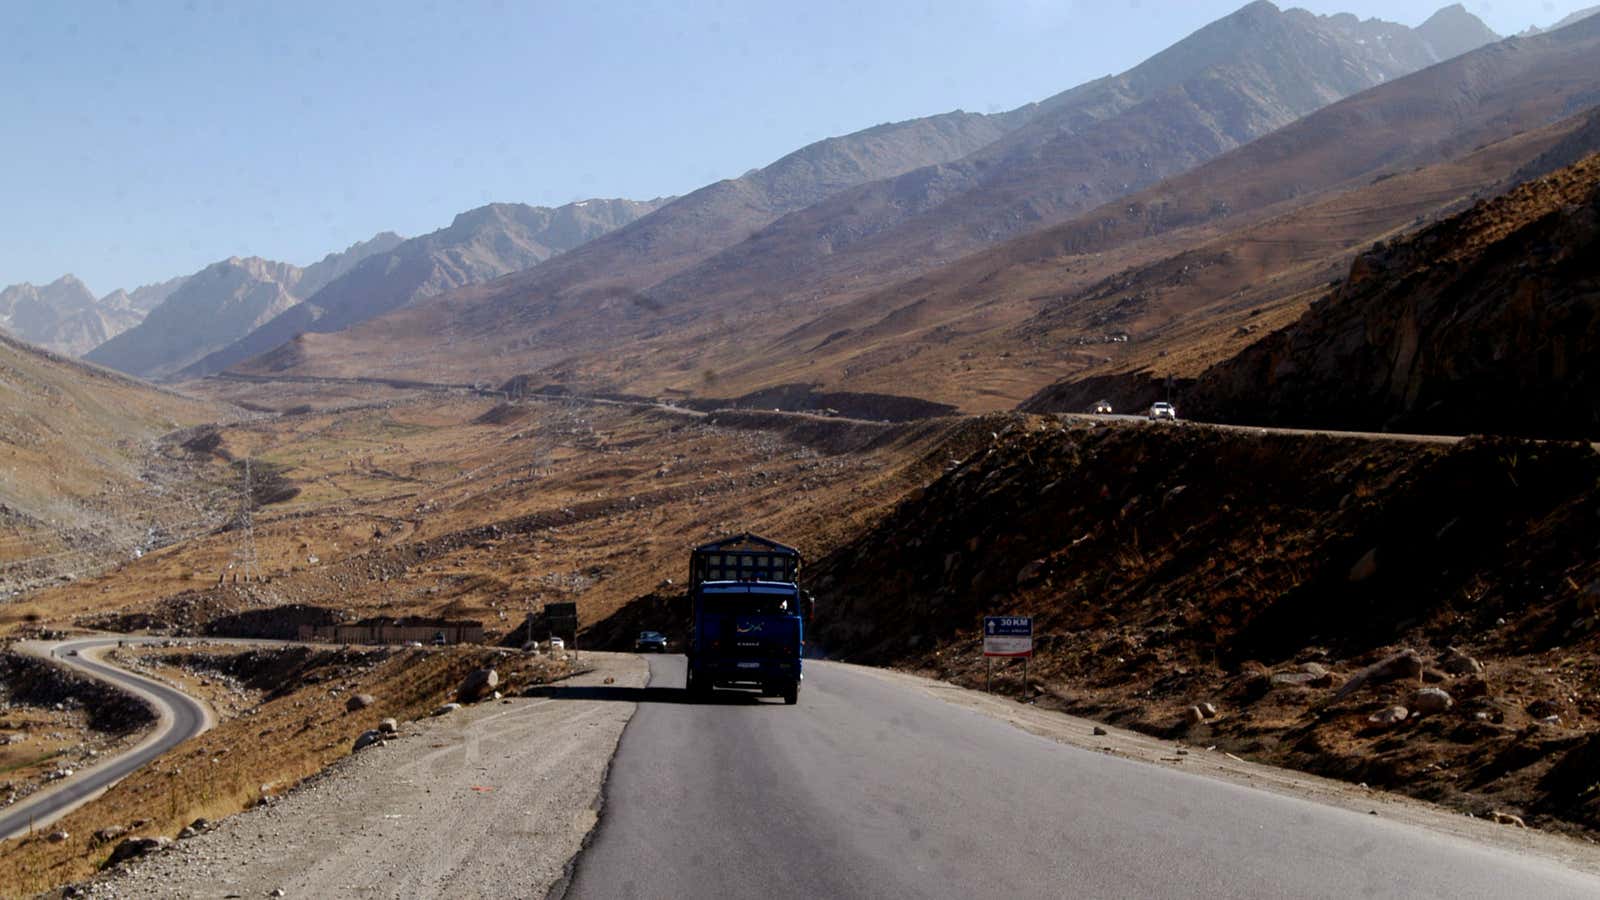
<point x="556" y="644"/>
<point x="1163" y="410"/>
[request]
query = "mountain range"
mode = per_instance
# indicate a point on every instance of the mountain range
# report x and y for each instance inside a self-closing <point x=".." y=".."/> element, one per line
<point x="221" y="303"/>
<point x="711" y="315"/>
<point x="64" y="315"/>
<point x="1138" y="227"/>
<point x="480" y="244"/>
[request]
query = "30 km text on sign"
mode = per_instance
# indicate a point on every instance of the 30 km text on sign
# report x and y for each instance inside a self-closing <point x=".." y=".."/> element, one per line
<point x="1008" y="636"/>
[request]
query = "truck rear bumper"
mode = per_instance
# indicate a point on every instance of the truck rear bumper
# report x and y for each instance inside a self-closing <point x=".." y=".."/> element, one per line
<point x="737" y="671"/>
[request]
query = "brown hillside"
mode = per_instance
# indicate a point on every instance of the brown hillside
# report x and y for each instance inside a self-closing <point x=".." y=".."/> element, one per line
<point x="606" y="275"/>
<point x="1173" y="566"/>
<point x="1488" y="321"/>
<point x="961" y="334"/>
<point x="81" y="483"/>
<point x="1232" y="81"/>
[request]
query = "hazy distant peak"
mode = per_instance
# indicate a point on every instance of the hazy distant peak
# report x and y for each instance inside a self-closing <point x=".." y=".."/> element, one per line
<point x="1453" y="31"/>
<point x="1573" y="19"/>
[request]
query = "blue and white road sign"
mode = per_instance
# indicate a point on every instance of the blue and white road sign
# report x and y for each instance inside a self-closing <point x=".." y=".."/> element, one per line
<point x="1008" y="635"/>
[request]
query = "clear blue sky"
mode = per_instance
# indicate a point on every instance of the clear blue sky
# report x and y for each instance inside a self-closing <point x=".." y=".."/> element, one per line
<point x="146" y="139"/>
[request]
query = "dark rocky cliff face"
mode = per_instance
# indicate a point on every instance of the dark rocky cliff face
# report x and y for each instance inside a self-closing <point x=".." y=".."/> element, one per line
<point x="1486" y="322"/>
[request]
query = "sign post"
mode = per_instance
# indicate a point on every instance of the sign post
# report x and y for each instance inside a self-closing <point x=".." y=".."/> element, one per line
<point x="1008" y="637"/>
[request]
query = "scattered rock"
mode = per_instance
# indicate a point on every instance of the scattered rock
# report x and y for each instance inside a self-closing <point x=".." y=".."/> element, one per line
<point x="1431" y="701"/>
<point x="1457" y="663"/>
<point x="359" y="701"/>
<point x="1294" y="679"/>
<point x="1505" y="818"/>
<point x="1100" y="731"/>
<point x="1030" y="571"/>
<point x="1365" y="567"/>
<point x="1403" y="665"/>
<point x="1193" y="715"/>
<point x="610" y="680"/>
<point x="477" y="685"/>
<point x="447" y="709"/>
<point x="367" y="739"/>
<point x="1208" y="710"/>
<point x="389" y="726"/>
<point x="58" y="837"/>
<point x="1385" y="718"/>
<point x="1471" y="686"/>
<point x="131" y="848"/>
<point x="108" y="834"/>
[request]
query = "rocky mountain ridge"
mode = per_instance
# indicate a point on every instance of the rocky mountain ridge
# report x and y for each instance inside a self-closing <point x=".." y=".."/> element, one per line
<point x="479" y="245"/>
<point x="64" y="316"/>
<point x="221" y="303"/>
<point x="1233" y="81"/>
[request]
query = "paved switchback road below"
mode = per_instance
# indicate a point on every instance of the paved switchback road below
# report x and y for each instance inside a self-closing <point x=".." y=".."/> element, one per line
<point x="179" y="717"/>
<point x="874" y="787"/>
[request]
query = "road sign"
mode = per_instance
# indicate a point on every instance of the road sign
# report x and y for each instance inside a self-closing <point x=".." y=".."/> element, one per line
<point x="1008" y="636"/>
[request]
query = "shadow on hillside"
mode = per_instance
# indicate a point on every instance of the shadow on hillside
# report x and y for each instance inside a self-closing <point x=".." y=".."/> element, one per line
<point x="615" y="694"/>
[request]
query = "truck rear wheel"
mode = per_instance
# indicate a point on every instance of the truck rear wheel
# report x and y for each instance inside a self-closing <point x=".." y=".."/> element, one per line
<point x="791" y="693"/>
<point x="698" y="686"/>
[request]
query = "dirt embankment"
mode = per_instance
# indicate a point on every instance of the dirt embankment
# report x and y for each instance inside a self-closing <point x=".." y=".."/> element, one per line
<point x="27" y="681"/>
<point x="1175" y="567"/>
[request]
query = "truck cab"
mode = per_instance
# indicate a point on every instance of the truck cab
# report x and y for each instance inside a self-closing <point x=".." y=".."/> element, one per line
<point x="749" y="617"/>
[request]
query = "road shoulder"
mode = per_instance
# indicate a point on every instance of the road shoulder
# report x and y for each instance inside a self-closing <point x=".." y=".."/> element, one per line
<point x="1079" y="732"/>
<point x="492" y="800"/>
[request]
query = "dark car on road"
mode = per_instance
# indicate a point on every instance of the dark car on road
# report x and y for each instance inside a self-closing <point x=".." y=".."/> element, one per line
<point x="650" y="642"/>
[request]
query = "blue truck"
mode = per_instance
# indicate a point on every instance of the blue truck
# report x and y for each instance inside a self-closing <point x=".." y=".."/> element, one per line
<point x="749" y="617"/>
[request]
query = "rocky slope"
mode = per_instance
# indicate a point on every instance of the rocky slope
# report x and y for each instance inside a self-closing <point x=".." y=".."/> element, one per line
<point x="778" y="285"/>
<point x="1486" y="322"/>
<point x="1241" y="77"/>
<point x="63" y="315"/>
<point x="81" y="486"/>
<point x="1258" y="229"/>
<point x="1257" y="577"/>
<point x="607" y="275"/>
<point x="220" y="304"/>
<point x="479" y="245"/>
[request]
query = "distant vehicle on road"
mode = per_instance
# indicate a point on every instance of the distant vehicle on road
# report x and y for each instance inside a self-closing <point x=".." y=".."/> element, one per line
<point x="650" y="642"/>
<point x="748" y="617"/>
<point x="555" y="644"/>
<point x="1102" y="408"/>
<point x="439" y="639"/>
<point x="1163" y="410"/>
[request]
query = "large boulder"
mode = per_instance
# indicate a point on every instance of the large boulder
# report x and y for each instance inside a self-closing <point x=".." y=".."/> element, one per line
<point x="367" y="739"/>
<point x="359" y="701"/>
<point x="1401" y="666"/>
<point x="131" y="848"/>
<point x="478" y="685"/>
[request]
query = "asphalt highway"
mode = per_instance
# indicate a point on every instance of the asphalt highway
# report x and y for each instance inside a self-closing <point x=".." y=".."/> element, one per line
<point x="870" y="789"/>
<point x="180" y="717"/>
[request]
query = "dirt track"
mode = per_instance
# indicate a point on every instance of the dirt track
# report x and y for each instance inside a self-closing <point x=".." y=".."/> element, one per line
<point x="492" y="800"/>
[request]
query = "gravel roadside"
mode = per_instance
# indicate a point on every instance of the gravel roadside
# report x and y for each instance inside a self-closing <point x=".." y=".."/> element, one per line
<point x="490" y="801"/>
